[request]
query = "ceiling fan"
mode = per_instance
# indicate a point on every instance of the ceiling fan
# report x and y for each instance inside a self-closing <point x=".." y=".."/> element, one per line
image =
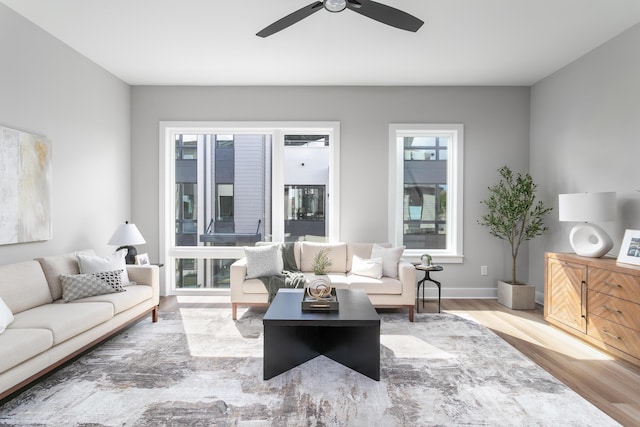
<point x="371" y="9"/>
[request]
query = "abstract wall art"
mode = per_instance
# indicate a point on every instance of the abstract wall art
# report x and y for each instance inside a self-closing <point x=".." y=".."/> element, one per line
<point x="25" y="187"/>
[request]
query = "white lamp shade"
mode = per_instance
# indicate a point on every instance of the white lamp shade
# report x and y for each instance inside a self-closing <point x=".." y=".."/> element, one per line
<point x="126" y="235"/>
<point x="587" y="207"/>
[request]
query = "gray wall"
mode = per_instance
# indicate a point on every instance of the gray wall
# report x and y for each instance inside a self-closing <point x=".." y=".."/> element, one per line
<point x="48" y="89"/>
<point x="496" y="121"/>
<point x="585" y="136"/>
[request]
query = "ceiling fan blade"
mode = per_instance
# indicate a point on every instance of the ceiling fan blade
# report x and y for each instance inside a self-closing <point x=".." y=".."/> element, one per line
<point x="385" y="14"/>
<point x="290" y="19"/>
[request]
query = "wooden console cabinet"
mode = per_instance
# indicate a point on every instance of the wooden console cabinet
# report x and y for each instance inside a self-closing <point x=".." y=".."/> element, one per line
<point x="596" y="300"/>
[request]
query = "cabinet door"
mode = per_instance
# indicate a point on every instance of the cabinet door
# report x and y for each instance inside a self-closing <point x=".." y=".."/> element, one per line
<point x="566" y="293"/>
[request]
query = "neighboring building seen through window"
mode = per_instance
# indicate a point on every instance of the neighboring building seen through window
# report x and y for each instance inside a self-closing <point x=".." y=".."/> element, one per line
<point x="425" y="191"/>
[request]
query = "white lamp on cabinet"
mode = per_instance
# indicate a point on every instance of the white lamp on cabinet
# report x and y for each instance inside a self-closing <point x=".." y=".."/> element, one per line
<point x="125" y="236"/>
<point x="588" y="239"/>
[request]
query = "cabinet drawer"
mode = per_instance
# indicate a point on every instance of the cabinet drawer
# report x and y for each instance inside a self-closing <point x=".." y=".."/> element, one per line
<point x="614" y="309"/>
<point x="622" y="338"/>
<point x="619" y="285"/>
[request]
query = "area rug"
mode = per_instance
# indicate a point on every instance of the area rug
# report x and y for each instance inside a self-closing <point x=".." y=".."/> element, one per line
<point x="198" y="367"/>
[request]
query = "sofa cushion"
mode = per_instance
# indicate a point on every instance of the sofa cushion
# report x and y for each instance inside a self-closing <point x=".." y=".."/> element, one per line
<point x="337" y="255"/>
<point x="18" y="345"/>
<point x="54" y="266"/>
<point x="6" y="316"/>
<point x="253" y="286"/>
<point x="23" y="286"/>
<point x="87" y="285"/>
<point x="382" y="286"/>
<point x="390" y="259"/>
<point x="263" y="260"/>
<point x="96" y="264"/>
<point x="121" y="301"/>
<point x="369" y="267"/>
<point x="64" y="320"/>
<point x="337" y="280"/>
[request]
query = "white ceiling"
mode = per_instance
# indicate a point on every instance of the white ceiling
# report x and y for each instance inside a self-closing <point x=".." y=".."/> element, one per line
<point x="213" y="42"/>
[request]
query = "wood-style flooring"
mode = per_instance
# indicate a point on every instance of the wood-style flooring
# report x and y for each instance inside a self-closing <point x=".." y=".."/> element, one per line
<point x="610" y="384"/>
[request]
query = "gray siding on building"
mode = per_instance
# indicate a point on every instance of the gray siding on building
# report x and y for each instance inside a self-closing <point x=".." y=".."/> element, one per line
<point x="250" y="183"/>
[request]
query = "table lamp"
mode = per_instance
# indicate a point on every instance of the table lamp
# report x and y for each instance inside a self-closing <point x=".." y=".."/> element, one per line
<point x="588" y="239"/>
<point x="125" y="236"/>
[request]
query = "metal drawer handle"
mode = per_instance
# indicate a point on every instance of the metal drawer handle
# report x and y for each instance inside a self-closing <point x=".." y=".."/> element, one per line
<point x="613" y="285"/>
<point x="613" y="310"/>
<point x="604" y="331"/>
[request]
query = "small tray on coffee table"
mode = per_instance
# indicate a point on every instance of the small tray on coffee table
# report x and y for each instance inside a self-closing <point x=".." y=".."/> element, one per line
<point x="323" y="304"/>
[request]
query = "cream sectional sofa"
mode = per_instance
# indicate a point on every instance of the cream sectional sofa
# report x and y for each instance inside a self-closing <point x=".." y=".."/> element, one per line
<point x="46" y="331"/>
<point x="395" y="290"/>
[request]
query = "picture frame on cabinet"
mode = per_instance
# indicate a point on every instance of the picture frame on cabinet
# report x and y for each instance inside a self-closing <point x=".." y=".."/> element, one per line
<point x="630" y="248"/>
<point x="142" y="259"/>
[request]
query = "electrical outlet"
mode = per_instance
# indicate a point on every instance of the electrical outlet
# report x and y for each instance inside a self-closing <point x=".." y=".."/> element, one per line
<point x="484" y="270"/>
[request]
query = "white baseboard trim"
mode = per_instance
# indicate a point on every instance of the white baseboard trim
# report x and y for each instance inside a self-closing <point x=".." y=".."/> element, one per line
<point x="461" y="293"/>
<point x="540" y="298"/>
<point x="469" y="293"/>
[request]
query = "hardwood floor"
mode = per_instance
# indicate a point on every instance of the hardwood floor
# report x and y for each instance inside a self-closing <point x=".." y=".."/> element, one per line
<point x="610" y="384"/>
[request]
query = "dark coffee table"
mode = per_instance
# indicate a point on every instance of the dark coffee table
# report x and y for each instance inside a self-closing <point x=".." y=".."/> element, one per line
<point x="350" y="336"/>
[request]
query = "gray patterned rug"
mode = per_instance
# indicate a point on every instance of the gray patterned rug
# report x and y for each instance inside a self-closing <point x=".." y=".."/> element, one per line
<point x="198" y="367"/>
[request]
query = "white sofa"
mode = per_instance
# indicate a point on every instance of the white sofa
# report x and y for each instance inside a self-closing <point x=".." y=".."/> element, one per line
<point x="392" y="292"/>
<point x="46" y="331"/>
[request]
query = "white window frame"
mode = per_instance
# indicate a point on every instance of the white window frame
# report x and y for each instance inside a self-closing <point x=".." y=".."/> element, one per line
<point x="169" y="252"/>
<point x="453" y="252"/>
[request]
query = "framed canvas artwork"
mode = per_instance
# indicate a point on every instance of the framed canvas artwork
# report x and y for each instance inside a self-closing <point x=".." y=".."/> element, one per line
<point x="25" y="187"/>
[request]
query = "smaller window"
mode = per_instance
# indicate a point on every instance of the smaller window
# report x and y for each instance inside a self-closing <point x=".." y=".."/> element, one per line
<point x="425" y="195"/>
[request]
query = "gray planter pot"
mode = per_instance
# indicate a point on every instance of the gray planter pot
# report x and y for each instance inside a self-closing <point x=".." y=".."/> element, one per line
<point x="517" y="297"/>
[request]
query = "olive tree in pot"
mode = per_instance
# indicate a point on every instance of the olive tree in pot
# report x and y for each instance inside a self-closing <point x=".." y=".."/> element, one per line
<point x="515" y="216"/>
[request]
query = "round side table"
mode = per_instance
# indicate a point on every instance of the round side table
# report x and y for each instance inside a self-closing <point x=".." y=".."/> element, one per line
<point x="428" y="269"/>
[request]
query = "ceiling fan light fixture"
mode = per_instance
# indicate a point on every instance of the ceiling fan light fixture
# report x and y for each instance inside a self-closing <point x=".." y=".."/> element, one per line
<point x="335" y="5"/>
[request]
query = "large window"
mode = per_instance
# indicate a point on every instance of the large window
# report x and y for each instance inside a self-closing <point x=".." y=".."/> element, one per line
<point x="230" y="185"/>
<point x="426" y="189"/>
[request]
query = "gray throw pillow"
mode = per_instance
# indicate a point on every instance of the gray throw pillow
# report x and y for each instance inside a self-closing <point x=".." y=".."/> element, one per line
<point x="263" y="261"/>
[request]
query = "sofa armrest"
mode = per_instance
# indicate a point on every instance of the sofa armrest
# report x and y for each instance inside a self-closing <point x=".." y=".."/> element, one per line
<point x="148" y="275"/>
<point x="237" y="275"/>
<point x="407" y="276"/>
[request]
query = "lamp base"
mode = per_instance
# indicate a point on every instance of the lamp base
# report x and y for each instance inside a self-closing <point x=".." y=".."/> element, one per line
<point x="130" y="258"/>
<point x="590" y="240"/>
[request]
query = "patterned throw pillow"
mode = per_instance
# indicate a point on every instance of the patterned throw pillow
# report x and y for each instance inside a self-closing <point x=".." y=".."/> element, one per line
<point x="87" y="285"/>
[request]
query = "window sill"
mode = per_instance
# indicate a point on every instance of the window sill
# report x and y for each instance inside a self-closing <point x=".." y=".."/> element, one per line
<point x="413" y="255"/>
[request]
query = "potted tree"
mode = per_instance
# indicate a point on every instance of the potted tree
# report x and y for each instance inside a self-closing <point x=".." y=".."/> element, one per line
<point x="515" y="216"/>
